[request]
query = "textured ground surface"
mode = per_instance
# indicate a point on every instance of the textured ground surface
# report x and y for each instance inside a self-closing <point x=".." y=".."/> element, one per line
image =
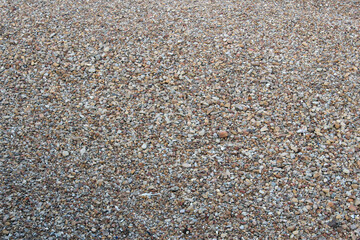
<point x="179" y="119"/>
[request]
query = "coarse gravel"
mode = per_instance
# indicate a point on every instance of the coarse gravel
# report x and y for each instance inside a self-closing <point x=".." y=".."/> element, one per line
<point x="190" y="119"/>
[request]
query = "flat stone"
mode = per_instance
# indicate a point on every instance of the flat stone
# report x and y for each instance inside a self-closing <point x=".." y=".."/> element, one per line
<point x="326" y="190"/>
<point x="291" y="228"/>
<point x="186" y="165"/>
<point x="331" y="204"/>
<point x="240" y="107"/>
<point x="174" y="189"/>
<point x="264" y="129"/>
<point x="202" y="133"/>
<point x="334" y="223"/>
<point x="83" y="151"/>
<point x="92" y="69"/>
<point x="352" y="208"/>
<point x="223" y="134"/>
<point x="65" y="153"/>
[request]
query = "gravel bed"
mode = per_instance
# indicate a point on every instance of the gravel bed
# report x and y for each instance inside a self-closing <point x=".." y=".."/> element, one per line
<point x="160" y="119"/>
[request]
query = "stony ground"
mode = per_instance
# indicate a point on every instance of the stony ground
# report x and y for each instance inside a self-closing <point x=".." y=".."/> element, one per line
<point x="162" y="119"/>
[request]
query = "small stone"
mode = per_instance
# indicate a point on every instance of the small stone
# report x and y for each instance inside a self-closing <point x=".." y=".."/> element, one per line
<point x="294" y="200"/>
<point x="346" y="171"/>
<point x="248" y="182"/>
<point x="186" y="165"/>
<point x="227" y="173"/>
<point x="296" y="232"/>
<point x="65" y="153"/>
<point x="303" y="129"/>
<point x="326" y="190"/>
<point x="223" y="134"/>
<point x="331" y="204"/>
<point x="352" y="208"/>
<point x="291" y="228"/>
<point x="240" y="107"/>
<point x="190" y="208"/>
<point x="317" y="174"/>
<point x="264" y="129"/>
<point x="353" y="227"/>
<point x="92" y="69"/>
<point x="174" y="189"/>
<point x="202" y="132"/>
<point x="83" y="151"/>
<point x="318" y="132"/>
<point x="294" y="148"/>
<point x="144" y="146"/>
<point x="5" y="231"/>
<point x="106" y="49"/>
<point x="357" y="202"/>
<point x="345" y="227"/>
<point x="264" y="103"/>
<point x="337" y="125"/>
<point x="219" y="193"/>
<point x="205" y="195"/>
<point x="334" y="223"/>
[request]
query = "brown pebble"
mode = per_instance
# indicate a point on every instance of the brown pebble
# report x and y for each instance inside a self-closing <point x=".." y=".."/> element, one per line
<point x="331" y="205"/>
<point x="352" y="208"/>
<point x="223" y="134"/>
<point x="291" y="228"/>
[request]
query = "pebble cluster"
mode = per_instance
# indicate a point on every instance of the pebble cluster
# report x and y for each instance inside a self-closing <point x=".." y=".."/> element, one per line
<point x="159" y="119"/>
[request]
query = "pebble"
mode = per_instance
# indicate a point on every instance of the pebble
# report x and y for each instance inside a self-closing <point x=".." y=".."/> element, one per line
<point x="353" y="227"/>
<point x="291" y="228"/>
<point x="352" y="208"/>
<point x="186" y="165"/>
<point x="92" y="69"/>
<point x="331" y="204"/>
<point x="223" y="134"/>
<point x="264" y="129"/>
<point x="202" y="132"/>
<point x="174" y="189"/>
<point x="65" y="153"/>
<point x="83" y="151"/>
<point x="326" y="190"/>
